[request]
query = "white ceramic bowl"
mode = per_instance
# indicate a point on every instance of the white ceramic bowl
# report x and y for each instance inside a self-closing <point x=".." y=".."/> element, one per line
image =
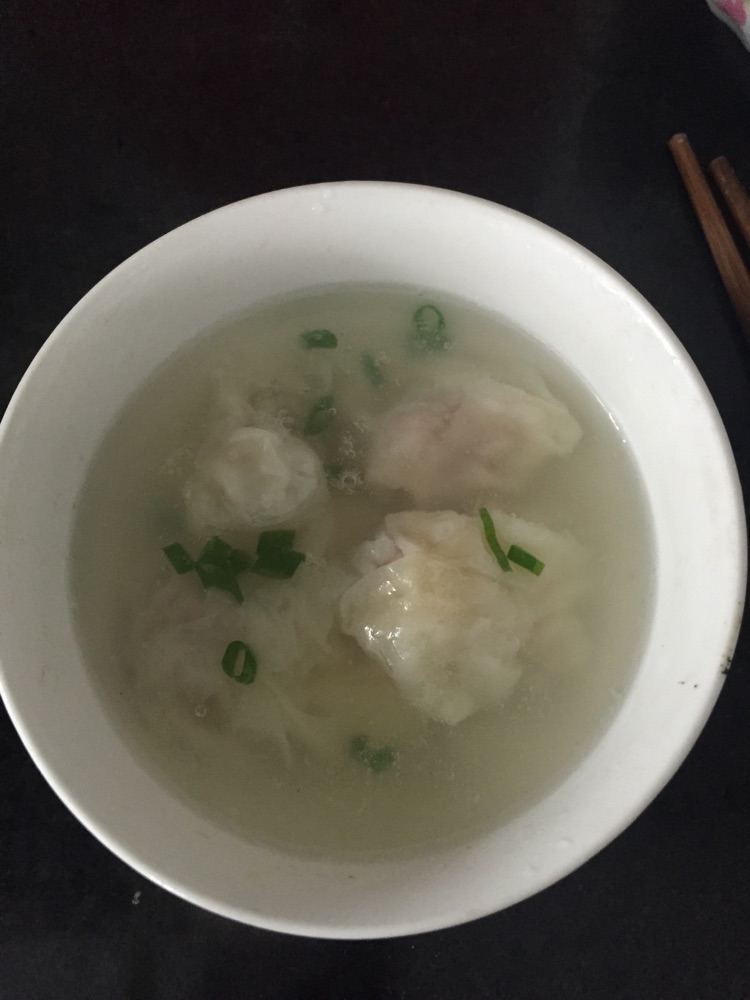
<point x="217" y="267"/>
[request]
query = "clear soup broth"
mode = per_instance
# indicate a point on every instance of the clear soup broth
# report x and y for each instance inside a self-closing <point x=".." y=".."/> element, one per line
<point x="334" y="654"/>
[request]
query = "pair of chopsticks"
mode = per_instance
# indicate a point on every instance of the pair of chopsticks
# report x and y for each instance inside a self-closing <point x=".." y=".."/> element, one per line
<point x="727" y="257"/>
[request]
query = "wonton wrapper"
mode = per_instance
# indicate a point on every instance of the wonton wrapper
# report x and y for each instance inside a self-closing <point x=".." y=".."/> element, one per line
<point x="253" y="478"/>
<point x="177" y="643"/>
<point x="468" y="437"/>
<point x="450" y="628"/>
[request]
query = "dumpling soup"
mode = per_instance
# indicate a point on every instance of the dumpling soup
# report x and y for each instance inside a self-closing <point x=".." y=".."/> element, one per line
<point x="362" y="573"/>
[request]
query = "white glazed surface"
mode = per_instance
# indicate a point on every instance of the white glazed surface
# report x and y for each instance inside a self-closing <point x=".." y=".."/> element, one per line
<point x="216" y="268"/>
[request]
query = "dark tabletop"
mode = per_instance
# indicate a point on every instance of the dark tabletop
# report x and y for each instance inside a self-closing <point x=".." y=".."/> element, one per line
<point x="121" y="120"/>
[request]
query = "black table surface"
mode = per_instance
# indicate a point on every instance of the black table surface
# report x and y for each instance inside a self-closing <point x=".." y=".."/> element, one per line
<point x="122" y="120"/>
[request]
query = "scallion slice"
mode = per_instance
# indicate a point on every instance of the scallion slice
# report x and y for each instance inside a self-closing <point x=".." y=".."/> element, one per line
<point x="219" y="578"/>
<point x="218" y="564"/>
<point x="272" y="541"/>
<point x="276" y="556"/>
<point x="380" y="760"/>
<point x="358" y="746"/>
<point x="428" y="330"/>
<point x="320" y="417"/>
<point x="179" y="557"/>
<point x="239" y="663"/>
<point x="377" y="759"/>
<point x="523" y="558"/>
<point x="373" y="370"/>
<point x="216" y="552"/>
<point x="239" y="561"/>
<point x="491" y="536"/>
<point x="319" y="338"/>
<point x="280" y="564"/>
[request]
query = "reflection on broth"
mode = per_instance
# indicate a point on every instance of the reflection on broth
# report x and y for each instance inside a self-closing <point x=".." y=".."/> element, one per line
<point x="362" y="573"/>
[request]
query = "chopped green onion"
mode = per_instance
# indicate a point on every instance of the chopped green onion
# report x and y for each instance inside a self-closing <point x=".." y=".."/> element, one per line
<point x="515" y="554"/>
<point x="239" y="561"/>
<point x="239" y="663"/>
<point x="218" y="565"/>
<point x="358" y="747"/>
<point x="428" y="333"/>
<point x="280" y="564"/>
<point x="491" y="536"/>
<point x="276" y="557"/>
<point x="319" y="338"/>
<point x="179" y="557"/>
<point x="376" y="759"/>
<point x="523" y="558"/>
<point x="272" y="541"/>
<point x="380" y="760"/>
<point x="320" y="416"/>
<point x="216" y="552"/>
<point x="373" y="370"/>
<point x="219" y="578"/>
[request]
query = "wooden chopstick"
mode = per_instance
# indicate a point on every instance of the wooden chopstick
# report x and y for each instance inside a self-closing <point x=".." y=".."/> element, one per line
<point x="731" y="267"/>
<point x="733" y="193"/>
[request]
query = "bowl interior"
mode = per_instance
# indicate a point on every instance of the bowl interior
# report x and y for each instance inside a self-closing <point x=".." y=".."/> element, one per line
<point x="216" y="268"/>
